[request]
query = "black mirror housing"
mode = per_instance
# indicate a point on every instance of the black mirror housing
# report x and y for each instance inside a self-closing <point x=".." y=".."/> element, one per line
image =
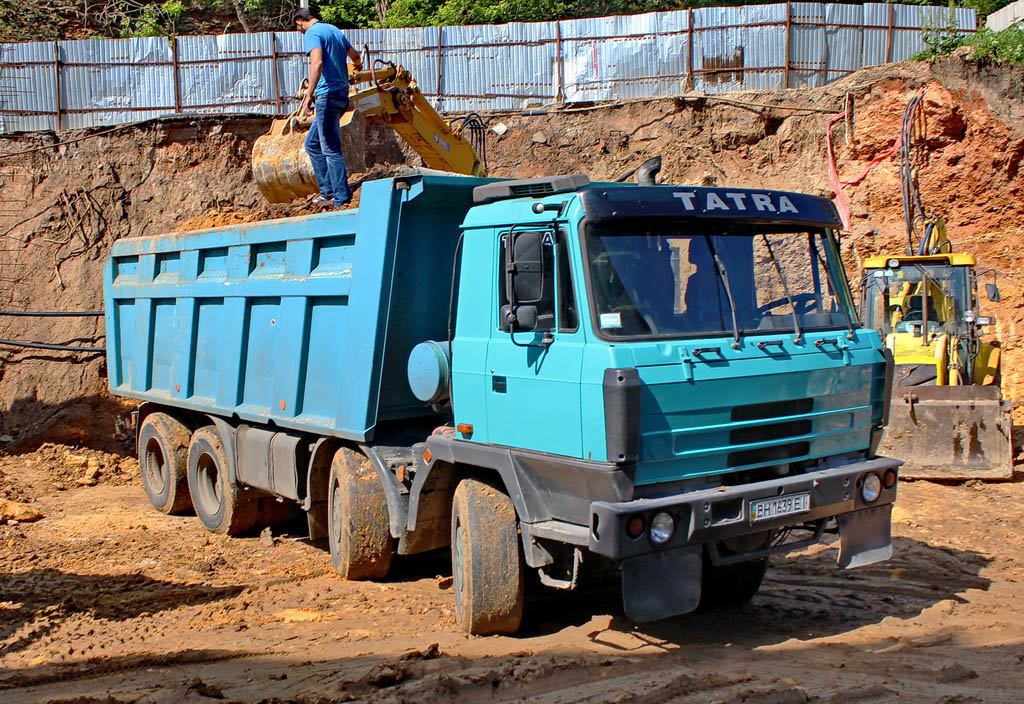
<point x="992" y="293"/>
<point x="524" y="267"/>
<point x="518" y="319"/>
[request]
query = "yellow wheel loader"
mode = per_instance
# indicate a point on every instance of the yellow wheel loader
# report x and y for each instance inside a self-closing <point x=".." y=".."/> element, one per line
<point x="282" y="169"/>
<point x="948" y="418"/>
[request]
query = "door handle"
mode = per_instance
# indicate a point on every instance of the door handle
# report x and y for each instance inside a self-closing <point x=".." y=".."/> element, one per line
<point x="499" y="384"/>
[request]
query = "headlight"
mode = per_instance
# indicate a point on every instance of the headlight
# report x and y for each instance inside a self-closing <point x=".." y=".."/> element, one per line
<point x="662" y="528"/>
<point x="871" y="488"/>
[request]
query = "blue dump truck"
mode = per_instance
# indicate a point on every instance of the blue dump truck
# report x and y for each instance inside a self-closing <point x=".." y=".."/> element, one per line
<point x="544" y="374"/>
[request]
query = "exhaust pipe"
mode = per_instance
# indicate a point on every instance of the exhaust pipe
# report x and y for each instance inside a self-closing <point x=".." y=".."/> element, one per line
<point x="645" y="175"/>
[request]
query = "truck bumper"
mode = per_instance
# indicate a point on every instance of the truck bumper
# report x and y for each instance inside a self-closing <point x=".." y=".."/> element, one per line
<point x="715" y="515"/>
<point x="659" y="581"/>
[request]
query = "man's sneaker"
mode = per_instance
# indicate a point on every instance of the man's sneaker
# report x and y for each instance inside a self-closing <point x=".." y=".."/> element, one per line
<point x="322" y="200"/>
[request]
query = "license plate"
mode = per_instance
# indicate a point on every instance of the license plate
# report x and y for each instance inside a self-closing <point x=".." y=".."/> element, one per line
<point x="768" y="509"/>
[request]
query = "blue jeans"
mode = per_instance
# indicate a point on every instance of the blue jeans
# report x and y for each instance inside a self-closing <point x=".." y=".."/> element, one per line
<point x="323" y="144"/>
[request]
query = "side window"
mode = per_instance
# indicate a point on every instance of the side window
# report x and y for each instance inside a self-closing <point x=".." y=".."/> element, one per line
<point x="568" y="318"/>
<point x="546" y="306"/>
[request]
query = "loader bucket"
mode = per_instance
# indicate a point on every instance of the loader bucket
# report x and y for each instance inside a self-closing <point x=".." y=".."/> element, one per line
<point x="949" y="432"/>
<point x="281" y="166"/>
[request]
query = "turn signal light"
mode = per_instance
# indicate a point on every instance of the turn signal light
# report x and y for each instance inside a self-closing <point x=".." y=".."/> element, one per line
<point x="465" y="428"/>
<point x="889" y="478"/>
<point x="635" y="527"/>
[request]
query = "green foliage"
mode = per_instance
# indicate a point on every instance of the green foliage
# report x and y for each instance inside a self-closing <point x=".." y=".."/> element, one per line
<point x="1006" y="46"/>
<point x="350" y="13"/>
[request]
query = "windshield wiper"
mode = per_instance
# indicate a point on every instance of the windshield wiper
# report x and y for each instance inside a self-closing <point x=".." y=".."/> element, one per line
<point x="813" y="246"/>
<point x="720" y="268"/>
<point x="785" y="287"/>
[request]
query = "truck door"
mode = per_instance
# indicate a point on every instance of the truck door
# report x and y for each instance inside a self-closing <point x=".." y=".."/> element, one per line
<point x="533" y="399"/>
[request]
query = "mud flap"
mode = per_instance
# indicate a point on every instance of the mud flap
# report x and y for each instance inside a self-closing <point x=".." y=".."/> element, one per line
<point x="865" y="537"/>
<point x="661" y="584"/>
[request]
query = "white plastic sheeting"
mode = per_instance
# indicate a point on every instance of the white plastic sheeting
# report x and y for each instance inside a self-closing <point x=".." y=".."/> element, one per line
<point x="75" y="84"/>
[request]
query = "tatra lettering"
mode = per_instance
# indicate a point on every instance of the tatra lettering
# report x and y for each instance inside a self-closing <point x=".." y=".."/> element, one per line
<point x="786" y="205"/>
<point x="714" y="202"/>
<point x="738" y="198"/>
<point x="686" y="199"/>
<point x="762" y="202"/>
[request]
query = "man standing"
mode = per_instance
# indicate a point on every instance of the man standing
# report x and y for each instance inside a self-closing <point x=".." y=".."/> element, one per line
<point x="327" y="47"/>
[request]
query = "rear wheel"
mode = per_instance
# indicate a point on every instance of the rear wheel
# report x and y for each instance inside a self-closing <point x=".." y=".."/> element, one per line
<point x="163" y="462"/>
<point x="222" y="506"/>
<point x="486" y="560"/>
<point x="359" y="531"/>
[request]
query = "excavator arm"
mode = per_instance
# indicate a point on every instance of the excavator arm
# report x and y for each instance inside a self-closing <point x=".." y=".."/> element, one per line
<point x="393" y="98"/>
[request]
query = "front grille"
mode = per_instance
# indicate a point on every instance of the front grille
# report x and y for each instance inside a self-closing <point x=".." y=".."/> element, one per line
<point x="769" y="432"/>
<point x="775" y="453"/>
<point x="773" y="409"/>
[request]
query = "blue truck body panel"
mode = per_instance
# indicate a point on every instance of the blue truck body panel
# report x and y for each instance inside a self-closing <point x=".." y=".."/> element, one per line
<point x="304" y="322"/>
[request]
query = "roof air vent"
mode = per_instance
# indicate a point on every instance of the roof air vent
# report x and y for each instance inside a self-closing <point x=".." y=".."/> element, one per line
<point x="543" y="186"/>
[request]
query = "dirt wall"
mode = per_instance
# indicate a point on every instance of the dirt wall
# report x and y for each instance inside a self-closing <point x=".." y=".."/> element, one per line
<point x="61" y="209"/>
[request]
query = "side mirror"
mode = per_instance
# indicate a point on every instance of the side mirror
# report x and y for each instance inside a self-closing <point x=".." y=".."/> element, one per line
<point x="992" y="293"/>
<point x="518" y="318"/>
<point x="524" y="268"/>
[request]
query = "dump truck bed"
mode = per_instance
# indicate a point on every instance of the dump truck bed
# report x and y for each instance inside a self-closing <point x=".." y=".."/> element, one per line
<point x="306" y="322"/>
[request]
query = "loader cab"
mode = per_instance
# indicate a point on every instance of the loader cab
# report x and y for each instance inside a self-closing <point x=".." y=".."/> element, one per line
<point x="922" y="296"/>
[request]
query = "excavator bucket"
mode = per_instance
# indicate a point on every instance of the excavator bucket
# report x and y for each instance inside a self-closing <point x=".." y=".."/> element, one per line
<point x="281" y="166"/>
<point x="950" y="432"/>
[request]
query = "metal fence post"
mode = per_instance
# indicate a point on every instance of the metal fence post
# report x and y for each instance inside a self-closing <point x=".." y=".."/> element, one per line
<point x="277" y="81"/>
<point x="174" y="70"/>
<point x="888" y="43"/>
<point x="689" y="50"/>
<point x="56" y="77"/>
<point x="560" y="93"/>
<point x="440" y="41"/>
<point x="789" y="43"/>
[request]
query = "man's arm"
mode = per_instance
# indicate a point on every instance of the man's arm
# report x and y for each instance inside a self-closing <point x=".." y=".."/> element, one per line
<point x="316" y="67"/>
<point x="355" y="58"/>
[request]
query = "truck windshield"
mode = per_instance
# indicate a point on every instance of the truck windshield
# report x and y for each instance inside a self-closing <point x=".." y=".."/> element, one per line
<point x="898" y="299"/>
<point x="700" y="279"/>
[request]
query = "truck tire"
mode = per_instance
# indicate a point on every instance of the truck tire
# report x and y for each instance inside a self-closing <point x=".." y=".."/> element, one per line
<point x="359" y="531"/>
<point x="163" y="462"/>
<point x="222" y="506"/>
<point x="729" y="586"/>
<point x="487" y="563"/>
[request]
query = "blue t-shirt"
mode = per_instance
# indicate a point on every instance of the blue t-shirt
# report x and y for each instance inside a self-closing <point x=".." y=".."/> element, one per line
<point x="335" y="46"/>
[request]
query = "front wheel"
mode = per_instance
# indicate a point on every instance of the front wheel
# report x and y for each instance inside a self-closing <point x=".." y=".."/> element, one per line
<point x="730" y="585"/>
<point x="487" y="563"/>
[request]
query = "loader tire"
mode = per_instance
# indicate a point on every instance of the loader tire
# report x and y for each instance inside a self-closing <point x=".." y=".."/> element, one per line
<point x="222" y="506"/>
<point x="487" y="562"/>
<point x="163" y="463"/>
<point x="359" y="530"/>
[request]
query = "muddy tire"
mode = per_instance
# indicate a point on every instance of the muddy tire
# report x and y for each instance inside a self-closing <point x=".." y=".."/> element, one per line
<point x="359" y="531"/>
<point x="487" y="563"/>
<point x="163" y="462"/>
<point x="729" y="586"/>
<point x="222" y="506"/>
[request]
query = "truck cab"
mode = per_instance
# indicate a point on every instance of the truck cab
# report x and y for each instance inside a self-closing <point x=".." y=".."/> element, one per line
<point x="670" y="377"/>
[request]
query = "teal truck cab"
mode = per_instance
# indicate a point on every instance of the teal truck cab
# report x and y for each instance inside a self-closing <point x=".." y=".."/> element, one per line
<point x="535" y="372"/>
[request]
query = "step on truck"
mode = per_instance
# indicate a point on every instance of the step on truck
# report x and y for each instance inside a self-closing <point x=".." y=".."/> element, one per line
<point x="545" y="374"/>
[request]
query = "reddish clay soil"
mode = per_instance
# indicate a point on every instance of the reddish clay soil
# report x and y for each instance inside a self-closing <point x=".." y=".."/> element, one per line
<point x="106" y="600"/>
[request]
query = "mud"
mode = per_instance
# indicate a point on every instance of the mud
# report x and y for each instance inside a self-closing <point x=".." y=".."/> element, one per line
<point x="106" y="599"/>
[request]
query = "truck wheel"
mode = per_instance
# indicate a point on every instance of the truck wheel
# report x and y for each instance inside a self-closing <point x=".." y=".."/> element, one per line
<point x="163" y="462"/>
<point x="359" y="531"/>
<point x="222" y="506"/>
<point x="730" y="585"/>
<point x="486" y="560"/>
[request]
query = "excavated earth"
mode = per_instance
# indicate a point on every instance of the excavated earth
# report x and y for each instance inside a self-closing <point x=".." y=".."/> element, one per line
<point x="104" y="600"/>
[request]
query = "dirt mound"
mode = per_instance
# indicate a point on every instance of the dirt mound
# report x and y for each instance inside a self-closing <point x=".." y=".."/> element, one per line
<point x="61" y="211"/>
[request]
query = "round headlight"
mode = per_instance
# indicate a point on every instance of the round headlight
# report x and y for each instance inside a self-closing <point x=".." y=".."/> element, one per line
<point x="662" y="528"/>
<point x="871" y="487"/>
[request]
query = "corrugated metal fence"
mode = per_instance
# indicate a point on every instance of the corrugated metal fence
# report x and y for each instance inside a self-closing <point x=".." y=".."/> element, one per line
<point x="75" y="84"/>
